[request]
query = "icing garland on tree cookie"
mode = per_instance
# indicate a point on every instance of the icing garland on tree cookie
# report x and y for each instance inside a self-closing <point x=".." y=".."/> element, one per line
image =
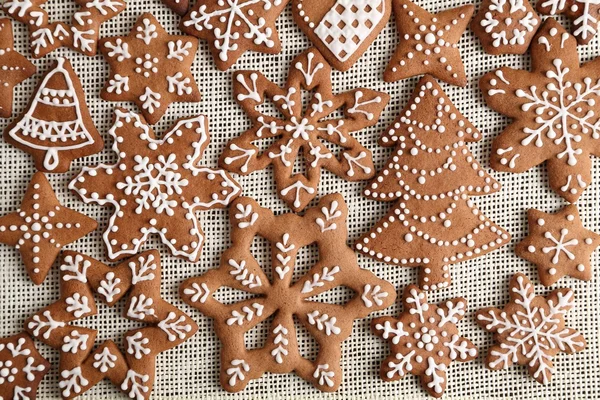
<point x="81" y="35"/>
<point x="297" y="131"/>
<point x="41" y="227"/>
<point x="559" y="245"/>
<point x="431" y="175"/>
<point x="424" y="340"/>
<point x="556" y="112"/>
<point x="21" y="368"/>
<point x="150" y="68"/>
<point x="81" y="366"/>
<point x="284" y="299"/>
<point x="233" y="27"/>
<point x="530" y="329"/>
<point x="156" y="186"/>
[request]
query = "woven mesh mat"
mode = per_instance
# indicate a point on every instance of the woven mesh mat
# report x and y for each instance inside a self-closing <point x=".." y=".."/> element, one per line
<point x="191" y="370"/>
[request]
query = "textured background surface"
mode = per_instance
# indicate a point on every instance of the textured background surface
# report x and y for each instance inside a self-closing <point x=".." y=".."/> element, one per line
<point x="191" y="370"/>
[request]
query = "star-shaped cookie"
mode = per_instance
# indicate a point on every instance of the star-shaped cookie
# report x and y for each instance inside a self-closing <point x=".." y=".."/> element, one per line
<point x="15" y="68"/>
<point x="41" y="227"/>
<point x="150" y="68"/>
<point x="429" y="43"/>
<point x="559" y="245"/>
<point x="156" y="186"/>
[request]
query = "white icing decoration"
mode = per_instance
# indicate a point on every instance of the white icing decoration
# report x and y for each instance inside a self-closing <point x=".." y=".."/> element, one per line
<point x="179" y="50"/>
<point x="247" y="154"/>
<point x="330" y="214"/>
<point x="355" y="161"/>
<point x="137" y="345"/>
<point x="78" y="305"/>
<point x="433" y="372"/>
<point x="297" y="186"/>
<point x="356" y="108"/>
<point x="311" y="71"/>
<point x="141" y="307"/>
<point x="75" y="268"/>
<point x="197" y="292"/>
<point x="146" y="32"/>
<point x="242" y="275"/>
<point x="250" y="88"/>
<point x="174" y="326"/>
<point x="134" y="385"/>
<point x="48" y="325"/>
<point x="401" y="367"/>
<point x="319" y="280"/>
<point x="284" y="247"/>
<point x="75" y="342"/>
<point x="244" y="213"/>
<point x="281" y="341"/>
<point x="325" y="377"/>
<point x="108" y="287"/>
<point x="498" y="21"/>
<point x="395" y="333"/>
<point x="104" y="360"/>
<point x="236" y="372"/>
<point x="178" y="85"/>
<point x="142" y="269"/>
<point x="560" y="245"/>
<point x="323" y="322"/>
<point x="120" y="50"/>
<point x="118" y="84"/>
<point x="247" y="313"/>
<point x="377" y="295"/>
<point x="72" y="381"/>
<point x="150" y="100"/>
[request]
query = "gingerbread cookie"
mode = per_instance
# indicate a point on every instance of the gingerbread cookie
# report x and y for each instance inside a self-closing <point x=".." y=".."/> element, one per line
<point x="424" y="340"/>
<point x="232" y="28"/>
<point x="156" y="186"/>
<point x="530" y="329"/>
<point x="21" y="368"/>
<point x="179" y="6"/>
<point x="150" y="68"/>
<point x="342" y="30"/>
<point x="278" y="296"/>
<point x="81" y="35"/>
<point x="41" y="227"/>
<point x="15" y="68"/>
<point x="303" y="133"/>
<point x="428" y="43"/>
<point x="584" y="16"/>
<point x="559" y="245"/>
<point x="56" y="128"/>
<point x="505" y="26"/>
<point x="556" y="112"/>
<point x="82" y="366"/>
<point x="432" y="175"/>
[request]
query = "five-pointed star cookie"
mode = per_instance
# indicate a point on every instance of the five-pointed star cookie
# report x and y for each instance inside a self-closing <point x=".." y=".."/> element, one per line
<point x="232" y="27"/>
<point x="156" y="186"/>
<point x="555" y="110"/>
<point x="21" y="368"/>
<point x="81" y="34"/>
<point x="559" y="245"/>
<point x="429" y="43"/>
<point x="41" y="227"/>
<point x="150" y="68"/>
<point x="530" y="329"/>
<point x="132" y="366"/>
<point x="15" y="68"/>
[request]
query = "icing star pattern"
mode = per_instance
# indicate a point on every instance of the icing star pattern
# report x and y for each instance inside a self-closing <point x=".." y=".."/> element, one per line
<point x="329" y="323"/>
<point x="424" y="340"/>
<point x="302" y="132"/>
<point x="232" y="27"/>
<point x="530" y="329"/>
<point x="150" y="68"/>
<point x="556" y="112"/>
<point x="21" y="367"/>
<point x="428" y="43"/>
<point x="156" y="186"/>
<point x="81" y="35"/>
<point x="83" y="366"/>
<point x="559" y="245"/>
<point x="15" y="68"/>
<point x="41" y="227"/>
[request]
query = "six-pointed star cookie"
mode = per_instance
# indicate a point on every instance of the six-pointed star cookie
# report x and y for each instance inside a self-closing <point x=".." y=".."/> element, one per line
<point x="150" y="68"/>
<point x="81" y="365"/>
<point x="232" y="27"/>
<point x="424" y="340"/>
<point x="21" y="368"/>
<point x="559" y="245"/>
<point x="555" y="110"/>
<point x="81" y="35"/>
<point x="41" y="227"/>
<point x="429" y="43"/>
<point x="156" y="186"/>
<point x="530" y="329"/>
<point x="15" y="68"/>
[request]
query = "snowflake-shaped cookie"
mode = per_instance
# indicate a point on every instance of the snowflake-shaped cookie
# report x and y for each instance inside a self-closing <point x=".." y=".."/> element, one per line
<point x="232" y="27"/>
<point x="21" y="368"/>
<point x="556" y="112"/>
<point x="303" y="131"/>
<point x="283" y="299"/>
<point x="559" y="245"/>
<point x="41" y="227"/>
<point x="82" y="366"/>
<point x="150" y="68"/>
<point x="505" y="26"/>
<point x="429" y="43"/>
<point x="424" y="340"/>
<point x="81" y="35"/>
<point x="584" y="14"/>
<point x="156" y="186"/>
<point x="530" y="329"/>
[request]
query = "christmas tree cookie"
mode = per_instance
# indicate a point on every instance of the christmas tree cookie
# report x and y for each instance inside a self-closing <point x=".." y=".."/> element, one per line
<point x="57" y="127"/>
<point x="431" y="175"/>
